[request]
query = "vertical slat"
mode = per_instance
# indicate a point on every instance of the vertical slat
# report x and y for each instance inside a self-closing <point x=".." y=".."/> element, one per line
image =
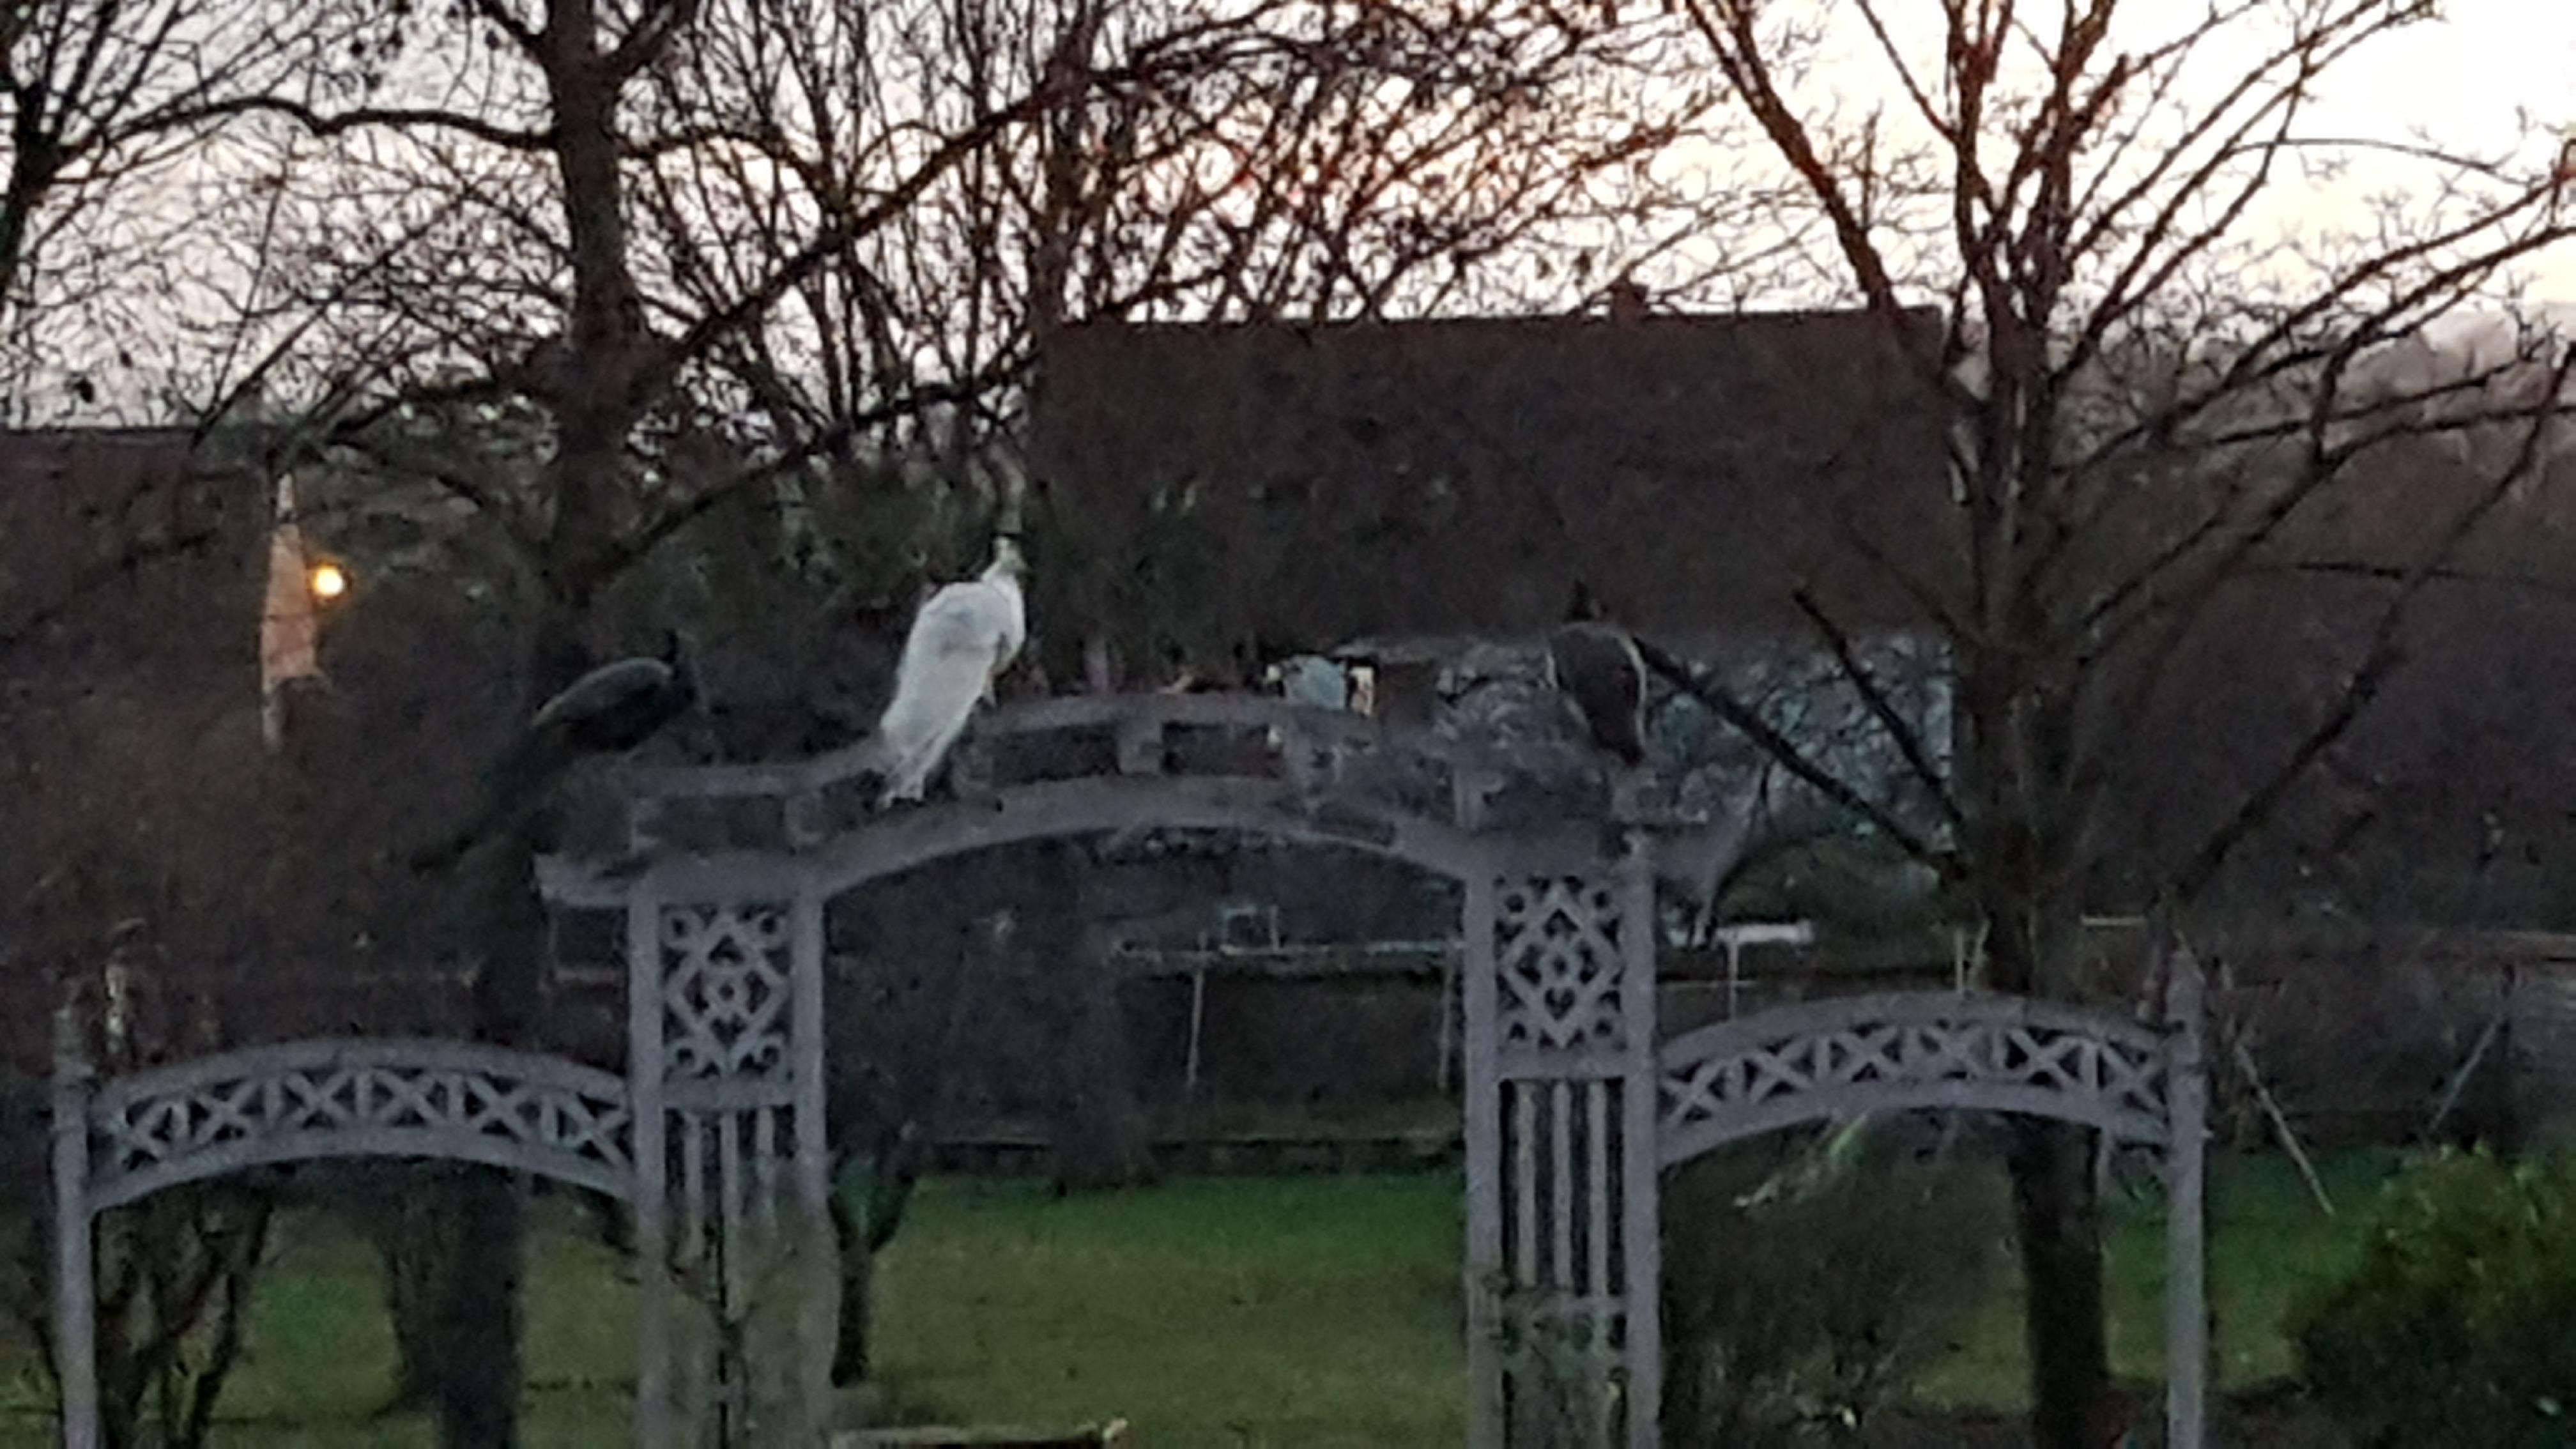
<point x="1525" y="1223"/>
<point x="1597" y="1158"/>
<point x="735" y="1274"/>
<point x="1484" y="1130"/>
<point x="694" y="1371"/>
<point x="1560" y="1269"/>
<point x="814" y="1320"/>
<point x="765" y="1171"/>
<point x="1446" y="1050"/>
<point x="735" y="1268"/>
<point x="75" y="1282"/>
<point x="652" y="1168"/>
<point x="2187" y="1265"/>
<point x="693" y="1187"/>
<point x="1640" y="1225"/>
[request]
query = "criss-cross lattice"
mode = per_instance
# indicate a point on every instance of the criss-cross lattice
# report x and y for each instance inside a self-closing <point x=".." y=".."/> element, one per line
<point x="724" y="990"/>
<point x="1839" y="1058"/>
<point x="1557" y="952"/>
<point x="322" y="1098"/>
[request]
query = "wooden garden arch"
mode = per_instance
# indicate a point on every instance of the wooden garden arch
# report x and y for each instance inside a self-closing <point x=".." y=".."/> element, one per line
<point x="1842" y="1058"/>
<point x="1562" y="1254"/>
<point x="716" y="1133"/>
<point x="301" y="1102"/>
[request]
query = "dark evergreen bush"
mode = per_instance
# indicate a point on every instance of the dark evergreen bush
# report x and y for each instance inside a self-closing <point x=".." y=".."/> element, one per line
<point x="2454" y="1321"/>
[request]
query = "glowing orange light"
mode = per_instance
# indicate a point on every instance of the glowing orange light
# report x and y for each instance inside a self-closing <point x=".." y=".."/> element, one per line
<point x="327" y="581"/>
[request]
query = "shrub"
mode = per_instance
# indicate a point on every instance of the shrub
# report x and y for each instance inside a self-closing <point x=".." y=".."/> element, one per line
<point x="2454" y="1320"/>
<point x="1811" y="1299"/>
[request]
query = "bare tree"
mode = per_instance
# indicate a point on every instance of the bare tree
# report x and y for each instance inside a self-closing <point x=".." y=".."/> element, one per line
<point x="1358" y="165"/>
<point x="2147" y="395"/>
<point x="600" y="230"/>
<point x="105" y="106"/>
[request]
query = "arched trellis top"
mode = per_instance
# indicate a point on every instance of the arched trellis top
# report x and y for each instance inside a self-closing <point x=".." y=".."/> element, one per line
<point x="311" y="1100"/>
<point x="902" y="840"/>
<point x="1178" y="762"/>
<point x="1852" y="1055"/>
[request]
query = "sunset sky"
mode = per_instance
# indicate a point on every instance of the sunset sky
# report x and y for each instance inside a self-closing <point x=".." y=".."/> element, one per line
<point x="2462" y="81"/>
<point x="2490" y="76"/>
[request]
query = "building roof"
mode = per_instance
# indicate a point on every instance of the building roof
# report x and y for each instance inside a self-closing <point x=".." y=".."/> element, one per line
<point x="1266" y="488"/>
<point x="129" y="541"/>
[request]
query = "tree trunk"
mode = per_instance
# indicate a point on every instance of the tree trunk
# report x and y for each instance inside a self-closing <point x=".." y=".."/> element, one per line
<point x="855" y="1317"/>
<point x="1056" y="974"/>
<point x="1100" y="1132"/>
<point x="865" y="1218"/>
<point x="2057" y="1224"/>
<point x="2057" y="1214"/>
<point x="477" y="1324"/>
<point x="1101" y="1139"/>
<point x="414" y="1254"/>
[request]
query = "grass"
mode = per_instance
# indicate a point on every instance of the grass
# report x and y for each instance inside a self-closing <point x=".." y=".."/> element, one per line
<point x="2268" y="1239"/>
<point x="1310" y="1311"/>
<point x="1306" y="1311"/>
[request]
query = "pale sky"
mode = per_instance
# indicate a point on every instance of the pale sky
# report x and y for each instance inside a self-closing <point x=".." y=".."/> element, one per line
<point x="2462" y="80"/>
<point x="2456" y="84"/>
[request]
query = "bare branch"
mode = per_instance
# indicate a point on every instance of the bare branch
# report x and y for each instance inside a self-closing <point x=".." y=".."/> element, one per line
<point x="1721" y="701"/>
<point x="2384" y="654"/>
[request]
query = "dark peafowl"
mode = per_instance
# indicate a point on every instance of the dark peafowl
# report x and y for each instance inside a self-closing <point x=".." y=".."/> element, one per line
<point x="1596" y="665"/>
<point x="608" y="711"/>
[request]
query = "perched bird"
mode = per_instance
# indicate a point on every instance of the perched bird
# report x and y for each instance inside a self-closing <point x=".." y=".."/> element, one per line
<point x="608" y="711"/>
<point x="1596" y="665"/>
<point x="1311" y="681"/>
<point x="965" y="635"/>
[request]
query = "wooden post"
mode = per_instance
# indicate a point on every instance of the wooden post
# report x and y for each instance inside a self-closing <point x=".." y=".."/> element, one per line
<point x="2186" y="1188"/>
<point x="75" y="1286"/>
<point x="1447" y="1049"/>
<point x="652" y="1166"/>
<point x="809" y="1030"/>
<point x="1641" y="1217"/>
<point x="1484" y="1113"/>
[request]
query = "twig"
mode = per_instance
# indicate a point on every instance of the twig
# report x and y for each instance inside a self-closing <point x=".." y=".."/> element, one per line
<point x="1735" y="712"/>
<point x="2281" y="1126"/>
<point x="2469" y="1068"/>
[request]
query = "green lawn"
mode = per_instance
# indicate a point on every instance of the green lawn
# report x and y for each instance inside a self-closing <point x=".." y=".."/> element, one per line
<point x="1293" y="1311"/>
<point x="2267" y="1239"/>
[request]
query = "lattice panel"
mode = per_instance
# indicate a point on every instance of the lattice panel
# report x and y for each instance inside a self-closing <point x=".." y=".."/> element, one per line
<point x="364" y="1091"/>
<point x="725" y="990"/>
<point x="1557" y="951"/>
<point x="1995" y="1060"/>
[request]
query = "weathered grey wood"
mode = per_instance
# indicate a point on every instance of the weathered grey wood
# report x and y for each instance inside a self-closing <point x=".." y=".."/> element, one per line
<point x="1640" y="1290"/>
<point x="75" y="1284"/>
<point x="1852" y="1055"/>
<point x="310" y="1100"/>
<point x="1888" y="1052"/>
<point x="1486" y="1273"/>
<point x="653" y="1165"/>
<point x="1140" y="745"/>
<point x="903" y="839"/>
<point x="1559" y="1026"/>
<point x="2186" y="1191"/>
<point x="815" y="1306"/>
<point x="358" y="1097"/>
<point x="1141" y="714"/>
